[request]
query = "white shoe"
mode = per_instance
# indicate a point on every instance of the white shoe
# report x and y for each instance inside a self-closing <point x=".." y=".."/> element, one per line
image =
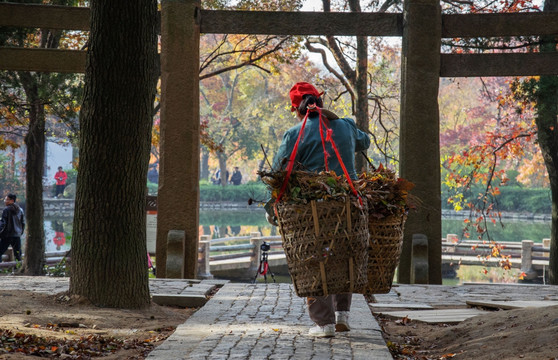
<point x="342" y="321"/>
<point x="323" y="331"/>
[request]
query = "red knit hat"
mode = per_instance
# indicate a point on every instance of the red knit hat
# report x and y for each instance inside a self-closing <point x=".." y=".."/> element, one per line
<point x="298" y="90"/>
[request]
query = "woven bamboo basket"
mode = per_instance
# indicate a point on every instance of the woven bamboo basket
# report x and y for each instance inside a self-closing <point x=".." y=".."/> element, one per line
<point x="384" y="250"/>
<point x="326" y="246"/>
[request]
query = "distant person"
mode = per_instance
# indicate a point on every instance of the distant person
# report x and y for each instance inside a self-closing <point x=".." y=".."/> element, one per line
<point x="236" y="177"/>
<point x="12" y="225"/>
<point x="153" y="175"/>
<point x="216" y="178"/>
<point x="60" y="178"/>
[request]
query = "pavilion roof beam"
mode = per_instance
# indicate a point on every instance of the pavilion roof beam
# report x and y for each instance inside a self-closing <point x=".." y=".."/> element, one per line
<point x="503" y="24"/>
<point x="300" y="23"/>
<point x="42" y="60"/>
<point x="503" y="64"/>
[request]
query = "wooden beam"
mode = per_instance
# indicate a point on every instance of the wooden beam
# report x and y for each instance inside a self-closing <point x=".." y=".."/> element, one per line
<point x="420" y="132"/>
<point x="301" y="23"/>
<point x="486" y="25"/>
<point x="44" y="16"/>
<point x="179" y="161"/>
<point x="510" y="64"/>
<point x="42" y="60"/>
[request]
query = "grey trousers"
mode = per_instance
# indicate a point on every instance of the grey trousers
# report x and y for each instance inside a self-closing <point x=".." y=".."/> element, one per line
<point x="322" y="308"/>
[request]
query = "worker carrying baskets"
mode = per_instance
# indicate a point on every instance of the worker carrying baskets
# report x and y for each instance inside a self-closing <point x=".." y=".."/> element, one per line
<point x="321" y="208"/>
<point x="325" y="237"/>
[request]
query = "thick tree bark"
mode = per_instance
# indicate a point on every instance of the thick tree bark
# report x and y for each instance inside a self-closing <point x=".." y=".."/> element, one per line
<point x="109" y="254"/>
<point x="547" y="134"/>
<point x="34" y="260"/>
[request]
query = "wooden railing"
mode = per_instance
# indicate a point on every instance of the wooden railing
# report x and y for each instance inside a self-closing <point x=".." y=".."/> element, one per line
<point x="527" y="256"/>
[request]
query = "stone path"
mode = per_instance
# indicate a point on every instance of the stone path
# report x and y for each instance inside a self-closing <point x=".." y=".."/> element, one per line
<point x="245" y="321"/>
<point x="268" y="321"/>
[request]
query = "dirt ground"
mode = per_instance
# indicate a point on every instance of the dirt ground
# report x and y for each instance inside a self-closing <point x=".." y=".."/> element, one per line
<point x="58" y="326"/>
<point x="530" y="333"/>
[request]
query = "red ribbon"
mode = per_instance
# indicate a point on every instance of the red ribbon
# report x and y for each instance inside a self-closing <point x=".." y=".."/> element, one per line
<point x="329" y="133"/>
<point x="290" y="165"/>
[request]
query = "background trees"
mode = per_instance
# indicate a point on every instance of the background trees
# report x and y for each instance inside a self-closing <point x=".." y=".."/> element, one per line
<point x="27" y="100"/>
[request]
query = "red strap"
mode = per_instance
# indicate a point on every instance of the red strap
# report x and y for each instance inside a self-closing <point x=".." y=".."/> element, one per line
<point x="290" y="165"/>
<point x="326" y="155"/>
<point x="329" y="138"/>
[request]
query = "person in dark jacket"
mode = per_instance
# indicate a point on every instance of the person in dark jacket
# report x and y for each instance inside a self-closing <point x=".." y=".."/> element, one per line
<point x="12" y="225"/>
<point x="236" y="177"/>
<point x="329" y="313"/>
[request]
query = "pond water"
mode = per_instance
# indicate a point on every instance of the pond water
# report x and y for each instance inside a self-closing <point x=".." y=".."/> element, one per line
<point x="224" y="223"/>
<point x="227" y="223"/>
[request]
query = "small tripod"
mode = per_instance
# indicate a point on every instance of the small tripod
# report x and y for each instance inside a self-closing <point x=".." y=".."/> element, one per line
<point x="264" y="264"/>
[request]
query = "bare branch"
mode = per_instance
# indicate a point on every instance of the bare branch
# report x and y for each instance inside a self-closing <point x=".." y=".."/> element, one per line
<point x="339" y="76"/>
<point x="250" y="61"/>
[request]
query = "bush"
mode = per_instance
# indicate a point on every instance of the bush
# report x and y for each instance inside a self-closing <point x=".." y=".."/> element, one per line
<point x="512" y="199"/>
<point x="152" y="188"/>
<point x="234" y="193"/>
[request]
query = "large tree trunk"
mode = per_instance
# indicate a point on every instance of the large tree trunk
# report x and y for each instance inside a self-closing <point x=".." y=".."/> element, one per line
<point x="109" y="254"/>
<point x="547" y="133"/>
<point x="34" y="260"/>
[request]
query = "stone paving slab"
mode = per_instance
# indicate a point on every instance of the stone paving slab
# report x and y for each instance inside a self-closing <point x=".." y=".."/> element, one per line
<point x="509" y="305"/>
<point x="400" y="306"/>
<point x="268" y="321"/>
<point x="446" y="316"/>
<point x="457" y="296"/>
<point x="55" y="285"/>
<point x="187" y="301"/>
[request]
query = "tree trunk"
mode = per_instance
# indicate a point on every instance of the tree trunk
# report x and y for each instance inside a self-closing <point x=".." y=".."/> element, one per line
<point x="34" y="260"/>
<point x="109" y="254"/>
<point x="223" y="167"/>
<point x="547" y="134"/>
<point x="547" y="107"/>
<point x="361" y="88"/>
<point x="204" y="164"/>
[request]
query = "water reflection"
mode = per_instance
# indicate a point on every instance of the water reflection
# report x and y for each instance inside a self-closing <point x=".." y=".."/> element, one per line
<point x="229" y="223"/>
<point x="232" y="223"/>
<point x="226" y="223"/>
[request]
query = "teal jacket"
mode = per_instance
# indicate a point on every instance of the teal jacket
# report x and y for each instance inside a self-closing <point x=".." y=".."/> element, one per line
<point x="346" y="136"/>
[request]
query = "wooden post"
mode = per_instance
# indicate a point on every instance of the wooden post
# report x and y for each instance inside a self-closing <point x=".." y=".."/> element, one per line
<point x="204" y="269"/>
<point x="419" y="259"/>
<point x="178" y="198"/>
<point x="546" y="243"/>
<point x="255" y="257"/>
<point x="419" y="140"/>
